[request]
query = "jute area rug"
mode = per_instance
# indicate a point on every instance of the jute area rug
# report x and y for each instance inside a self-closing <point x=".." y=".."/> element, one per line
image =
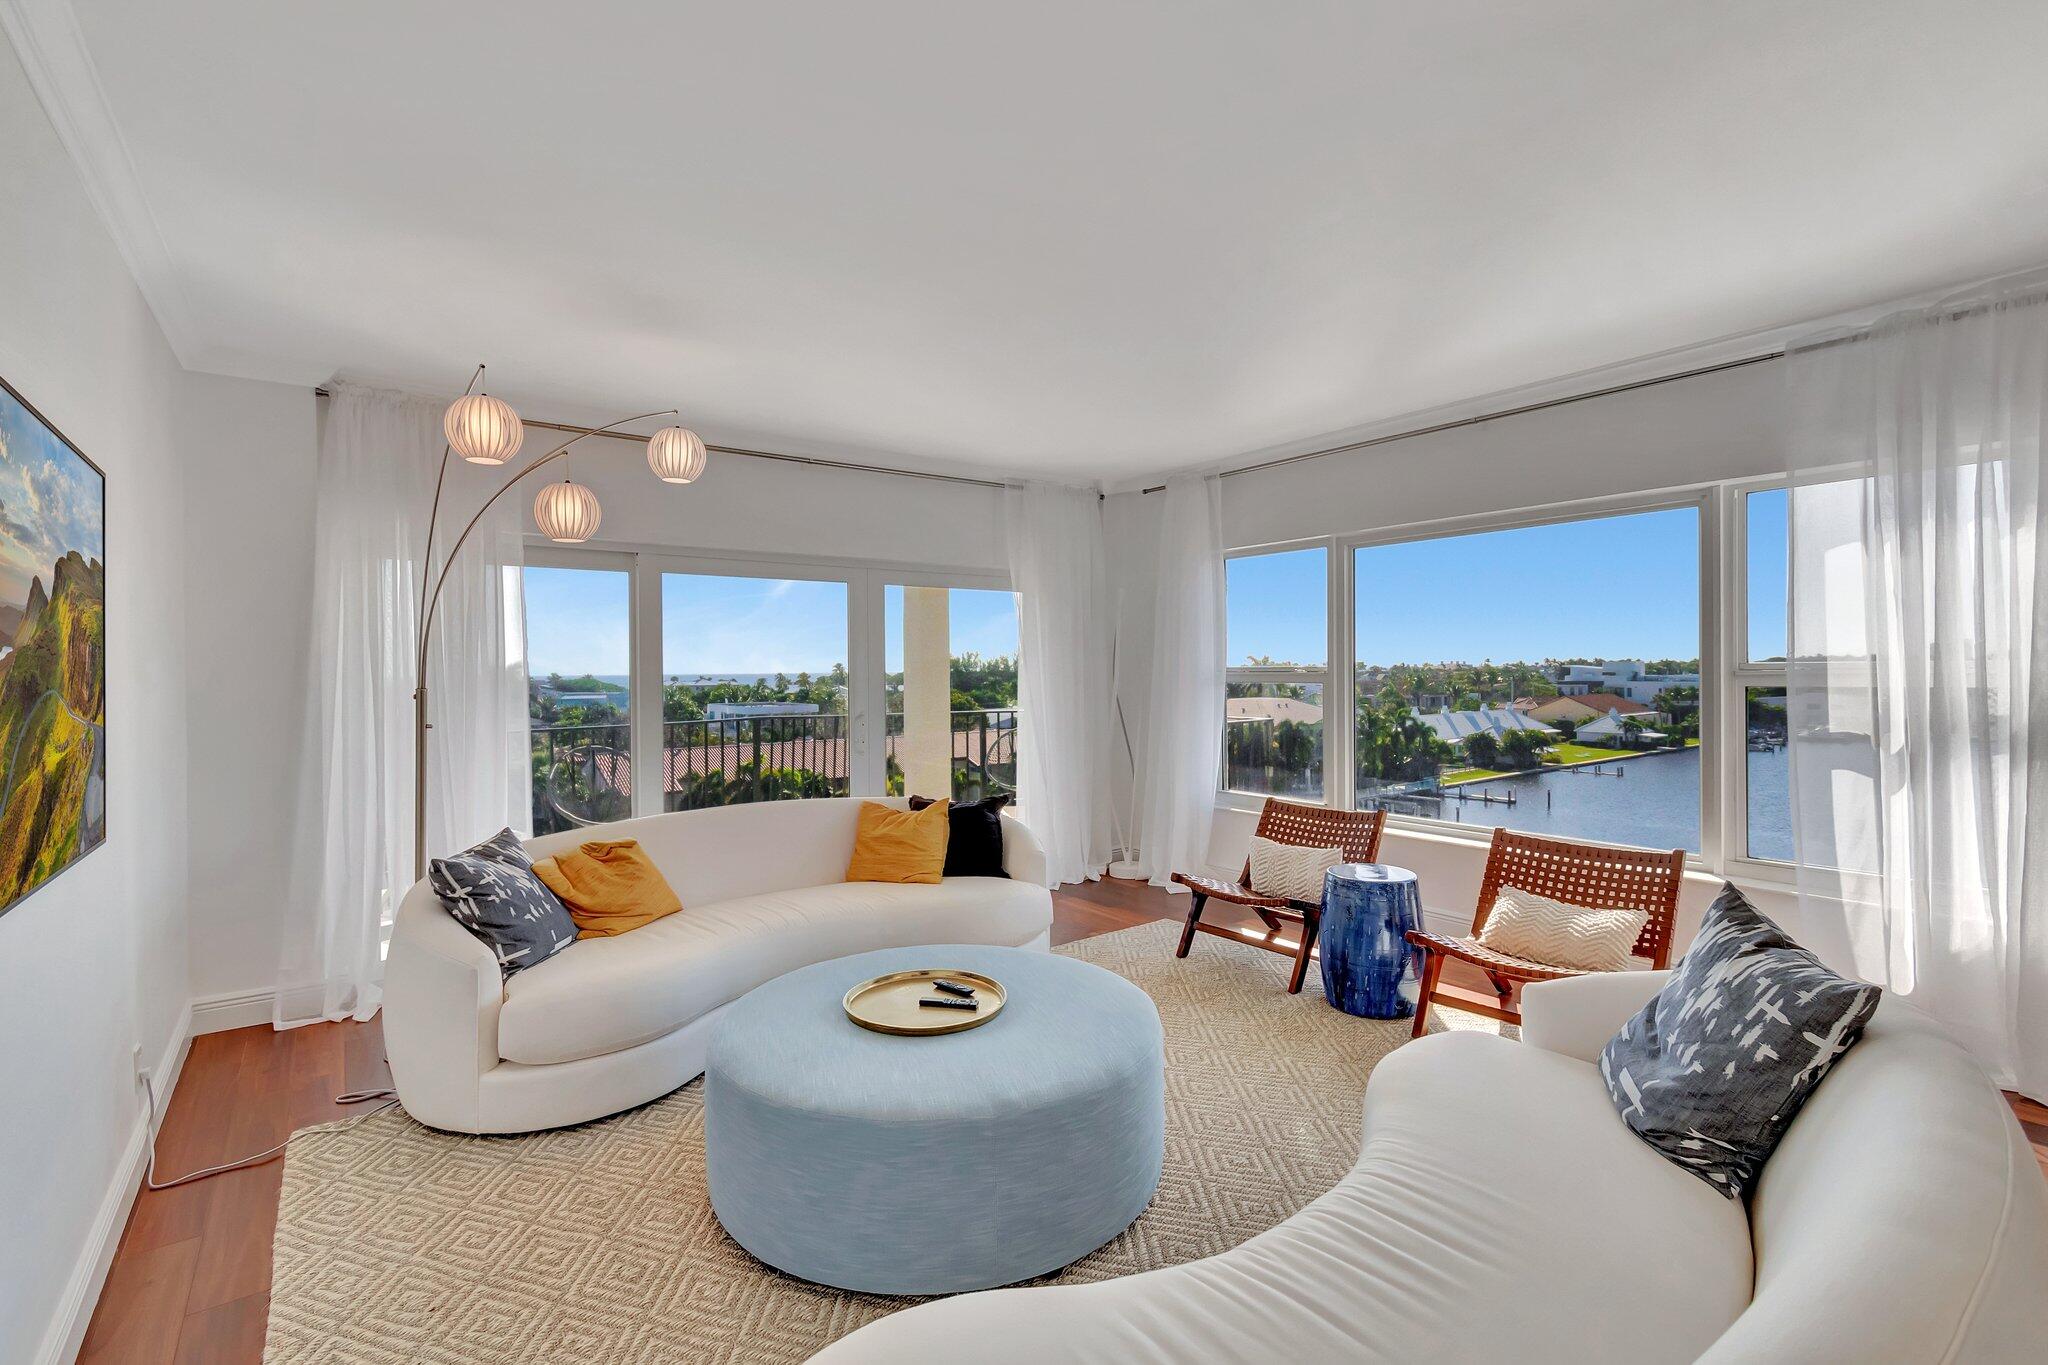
<point x="597" y="1244"/>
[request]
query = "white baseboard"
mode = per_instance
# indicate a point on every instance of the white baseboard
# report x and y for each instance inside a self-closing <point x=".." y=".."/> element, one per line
<point x="66" y="1332"/>
<point x="1450" y="923"/>
<point x="231" y="1009"/>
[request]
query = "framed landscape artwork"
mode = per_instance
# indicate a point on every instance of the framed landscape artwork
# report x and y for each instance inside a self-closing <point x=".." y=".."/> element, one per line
<point x="53" y="652"/>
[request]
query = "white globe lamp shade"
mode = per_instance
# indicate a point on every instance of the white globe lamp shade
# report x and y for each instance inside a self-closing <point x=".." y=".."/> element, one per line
<point x="482" y="429"/>
<point x="566" y="513"/>
<point x="675" y="454"/>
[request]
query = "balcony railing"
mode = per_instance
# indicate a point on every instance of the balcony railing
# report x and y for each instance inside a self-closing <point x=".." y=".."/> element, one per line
<point x="583" y="774"/>
<point x="984" y="753"/>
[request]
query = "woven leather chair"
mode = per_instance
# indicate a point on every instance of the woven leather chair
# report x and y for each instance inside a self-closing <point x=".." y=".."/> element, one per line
<point x="1577" y="874"/>
<point x="1357" y="832"/>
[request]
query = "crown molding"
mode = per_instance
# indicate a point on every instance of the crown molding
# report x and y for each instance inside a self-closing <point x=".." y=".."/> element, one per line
<point x="51" y="47"/>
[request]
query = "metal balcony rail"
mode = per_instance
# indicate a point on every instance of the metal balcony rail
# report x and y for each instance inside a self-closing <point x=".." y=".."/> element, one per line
<point x="583" y="774"/>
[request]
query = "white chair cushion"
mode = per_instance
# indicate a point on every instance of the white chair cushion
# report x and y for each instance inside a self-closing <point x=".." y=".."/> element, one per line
<point x="1290" y="870"/>
<point x="1498" y="1206"/>
<point x="1524" y="924"/>
<point x="602" y="995"/>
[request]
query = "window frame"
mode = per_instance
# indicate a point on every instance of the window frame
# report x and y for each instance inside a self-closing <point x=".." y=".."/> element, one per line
<point x="1339" y="684"/>
<point x="646" y="563"/>
<point x="1326" y="676"/>
<point x="884" y="579"/>
<point x="1742" y="674"/>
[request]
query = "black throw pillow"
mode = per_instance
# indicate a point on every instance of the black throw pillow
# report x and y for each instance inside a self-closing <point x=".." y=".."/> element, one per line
<point x="974" y="836"/>
<point x="492" y="891"/>
<point x="1716" y="1066"/>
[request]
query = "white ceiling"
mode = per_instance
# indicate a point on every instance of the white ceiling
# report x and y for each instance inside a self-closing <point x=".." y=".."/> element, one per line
<point x="1090" y="240"/>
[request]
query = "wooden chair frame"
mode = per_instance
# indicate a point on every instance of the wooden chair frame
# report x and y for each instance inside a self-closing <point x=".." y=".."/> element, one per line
<point x="1578" y="874"/>
<point x="1357" y="832"/>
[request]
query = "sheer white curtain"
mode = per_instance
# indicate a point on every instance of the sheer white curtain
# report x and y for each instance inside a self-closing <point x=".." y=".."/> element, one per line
<point x="353" y="857"/>
<point x="1919" y="617"/>
<point x="1054" y="538"/>
<point x="1183" y="739"/>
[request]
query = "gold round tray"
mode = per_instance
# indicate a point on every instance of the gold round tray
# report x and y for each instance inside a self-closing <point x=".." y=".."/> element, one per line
<point x="888" y="1004"/>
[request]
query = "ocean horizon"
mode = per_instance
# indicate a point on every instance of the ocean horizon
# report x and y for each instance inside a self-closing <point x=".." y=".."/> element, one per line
<point x="682" y="679"/>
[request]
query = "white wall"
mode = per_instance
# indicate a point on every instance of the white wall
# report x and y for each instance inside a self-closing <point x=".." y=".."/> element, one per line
<point x="772" y="507"/>
<point x="93" y="965"/>
<point x="1720" y="426"/>
<point x="249" y="462"/>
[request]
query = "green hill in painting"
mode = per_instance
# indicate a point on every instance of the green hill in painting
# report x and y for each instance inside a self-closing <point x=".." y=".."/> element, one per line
<point x="52" y="728"/>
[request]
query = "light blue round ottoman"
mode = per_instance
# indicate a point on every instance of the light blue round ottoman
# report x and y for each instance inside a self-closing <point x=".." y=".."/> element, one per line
<point x="905" y="1165"/>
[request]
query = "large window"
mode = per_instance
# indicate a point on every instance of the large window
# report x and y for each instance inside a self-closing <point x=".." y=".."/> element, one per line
<point x="754" y="689"/>
<point x="1544" y="678"/>
<point x="672" y="682"/>
<point x="1277" y="623"/>
<point x="579" y="694"/>
<point x="950" y="683"/>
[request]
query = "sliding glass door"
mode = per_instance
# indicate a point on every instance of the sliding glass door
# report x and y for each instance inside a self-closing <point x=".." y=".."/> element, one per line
<point x="579" y="691"/>
<point x="950" y="690"/>
<point x="755" y="689"/>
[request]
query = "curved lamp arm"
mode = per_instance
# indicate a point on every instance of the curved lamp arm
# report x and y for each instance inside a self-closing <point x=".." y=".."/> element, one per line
<point x="433" y="601"/>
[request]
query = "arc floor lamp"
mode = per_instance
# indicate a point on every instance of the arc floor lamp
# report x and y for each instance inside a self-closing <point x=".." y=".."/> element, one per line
<point x="486" y="431"/>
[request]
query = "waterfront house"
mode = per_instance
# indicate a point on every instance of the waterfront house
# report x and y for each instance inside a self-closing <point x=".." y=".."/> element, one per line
<point x="1611" y="728"/>
<point x="1626" y="678"/>
<point x="1454" y="727"/>
<point x="1578" y="710"/>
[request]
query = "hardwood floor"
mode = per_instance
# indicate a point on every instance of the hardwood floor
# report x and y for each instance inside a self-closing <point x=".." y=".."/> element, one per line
<point x="190" y="1282"/>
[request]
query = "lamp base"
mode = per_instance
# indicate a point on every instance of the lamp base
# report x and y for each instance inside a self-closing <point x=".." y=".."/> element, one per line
<point x="1127" y="871"/>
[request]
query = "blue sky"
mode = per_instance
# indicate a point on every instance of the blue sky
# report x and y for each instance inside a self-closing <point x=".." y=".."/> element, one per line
<point x="1767" y="567"/>
<point x="579" y="621"/>
<point x="49" y="502"/>
<point x="751" y="625"/>
<point x="979" y="620"/>
<point x="1617" y="587"/>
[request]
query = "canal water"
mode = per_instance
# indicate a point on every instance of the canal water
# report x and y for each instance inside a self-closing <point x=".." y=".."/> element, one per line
<point x="1651" y="801"/>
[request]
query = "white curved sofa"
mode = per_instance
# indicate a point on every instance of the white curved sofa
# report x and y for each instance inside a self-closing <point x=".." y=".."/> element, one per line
<point x="1499" y="1209"/>
<point x="609" y="1023"/>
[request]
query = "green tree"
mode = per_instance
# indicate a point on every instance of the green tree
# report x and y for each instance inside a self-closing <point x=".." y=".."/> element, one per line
<point x="1394" y="745"/>
<point x="1521" y="749"/>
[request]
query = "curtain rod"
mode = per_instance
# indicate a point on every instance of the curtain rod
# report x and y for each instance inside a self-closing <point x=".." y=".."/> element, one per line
<point x="817" y="460"/>
<point x="1495" y="416"/>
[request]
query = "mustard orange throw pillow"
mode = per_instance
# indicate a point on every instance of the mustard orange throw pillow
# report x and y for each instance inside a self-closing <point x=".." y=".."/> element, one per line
<point x="899" y="845"/>
<point x="611" y="887"/>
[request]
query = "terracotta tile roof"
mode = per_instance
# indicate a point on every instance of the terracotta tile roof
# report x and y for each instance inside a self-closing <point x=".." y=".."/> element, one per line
<point x="1608" y="704"/>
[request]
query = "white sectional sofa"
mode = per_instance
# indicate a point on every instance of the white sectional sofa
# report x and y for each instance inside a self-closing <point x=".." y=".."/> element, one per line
<point x="610" y="1023"/>
<point x="1500" y="1210"/>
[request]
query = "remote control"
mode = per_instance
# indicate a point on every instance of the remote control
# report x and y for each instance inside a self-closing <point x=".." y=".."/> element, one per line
<point x="942" y="1002"/>
<point x="954" y="988"/>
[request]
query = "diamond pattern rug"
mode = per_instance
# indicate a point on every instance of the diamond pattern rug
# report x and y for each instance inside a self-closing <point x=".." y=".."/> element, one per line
<point x="596" y="1245"/>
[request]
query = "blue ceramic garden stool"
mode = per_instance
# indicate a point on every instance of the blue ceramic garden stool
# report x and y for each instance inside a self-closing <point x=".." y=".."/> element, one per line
<point x="1368" y="968"/>
<point x="895" y="1165"/>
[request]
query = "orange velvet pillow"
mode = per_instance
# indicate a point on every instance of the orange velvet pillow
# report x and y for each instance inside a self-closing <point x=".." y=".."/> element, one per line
<point x="893" y="845"/>
<point x="610" y="886"/>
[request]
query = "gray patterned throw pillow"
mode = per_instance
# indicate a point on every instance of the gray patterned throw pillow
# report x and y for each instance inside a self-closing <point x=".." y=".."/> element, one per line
<point x="491" y="891"/>
<point x="1715" y="1067"/>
